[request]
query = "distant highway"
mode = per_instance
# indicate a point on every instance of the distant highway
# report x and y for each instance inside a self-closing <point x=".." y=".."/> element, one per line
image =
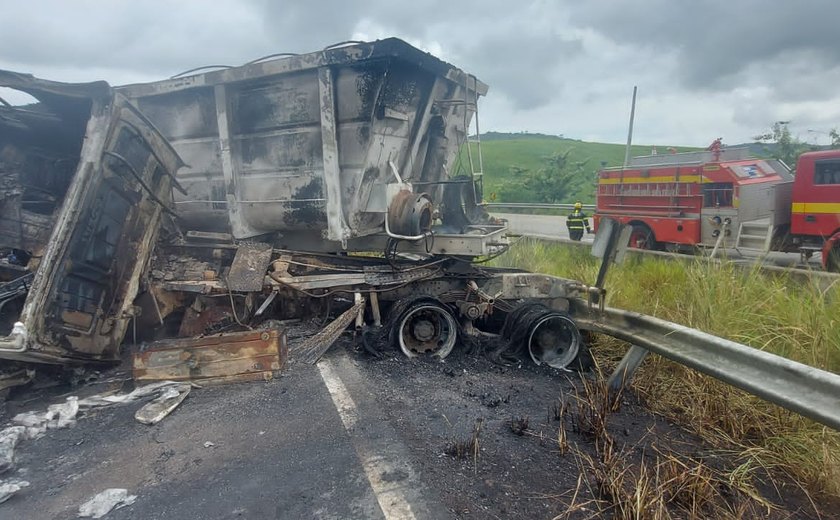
<point x="554" y="227"/>
<point x="548" y="226"/>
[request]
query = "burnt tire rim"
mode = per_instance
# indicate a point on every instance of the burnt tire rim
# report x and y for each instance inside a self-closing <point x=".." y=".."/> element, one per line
<point x="427" y="329"/>
<point x="554" y="340"/>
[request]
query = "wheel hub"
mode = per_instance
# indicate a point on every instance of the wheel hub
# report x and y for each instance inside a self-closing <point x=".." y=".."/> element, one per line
<point x="424" y="330"/>
<point x="427" y="328"/>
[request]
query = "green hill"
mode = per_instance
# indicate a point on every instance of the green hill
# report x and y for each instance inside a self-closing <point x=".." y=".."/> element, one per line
<point x="503" y="153"/>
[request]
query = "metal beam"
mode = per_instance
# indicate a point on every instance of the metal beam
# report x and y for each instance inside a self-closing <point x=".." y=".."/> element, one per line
<point x="421" y="127"/>
<point x="337" y="229"/>
<point x="626" y="369"/>
<point x="238" y="225"/>
<point x="806" y="390"/>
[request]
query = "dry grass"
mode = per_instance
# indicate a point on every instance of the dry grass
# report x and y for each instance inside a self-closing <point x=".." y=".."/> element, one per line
<point x="468" y="447"/>
<point x="771" y="313"/>
<point x="593" y="405"/>
<point x="661" y="485"/>
<point x="669" y="486"/>
<point x="558" y="410"/>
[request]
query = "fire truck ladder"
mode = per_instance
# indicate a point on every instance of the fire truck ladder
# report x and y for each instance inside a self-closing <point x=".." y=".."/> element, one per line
<point x="755" y="234"/>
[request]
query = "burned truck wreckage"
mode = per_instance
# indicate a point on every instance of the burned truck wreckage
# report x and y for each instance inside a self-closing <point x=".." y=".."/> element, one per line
<point x="330" y="184"/>
<point x="219" y="201"/>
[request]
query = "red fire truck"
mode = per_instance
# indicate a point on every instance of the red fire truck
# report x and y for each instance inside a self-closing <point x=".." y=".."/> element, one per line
<point x="727" y="198"/>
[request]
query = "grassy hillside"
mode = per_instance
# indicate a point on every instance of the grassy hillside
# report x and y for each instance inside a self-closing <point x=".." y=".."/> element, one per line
<point x="501" y="152"/>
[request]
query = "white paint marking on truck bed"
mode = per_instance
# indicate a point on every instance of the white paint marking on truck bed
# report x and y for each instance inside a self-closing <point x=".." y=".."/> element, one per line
<point x="379" y="457"/>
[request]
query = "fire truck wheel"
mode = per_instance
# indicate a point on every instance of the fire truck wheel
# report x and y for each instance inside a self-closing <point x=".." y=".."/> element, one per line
<point x="642" y="237"/>
<point x="832" y="263"/>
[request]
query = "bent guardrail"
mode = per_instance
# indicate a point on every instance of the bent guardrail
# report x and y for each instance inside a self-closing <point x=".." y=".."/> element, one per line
<point x="534" y="205"/>
<point x="806" y="390"/>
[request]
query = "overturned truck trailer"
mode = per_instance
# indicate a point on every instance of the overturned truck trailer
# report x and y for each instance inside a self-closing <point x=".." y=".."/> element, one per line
<point x="353" y="148"/>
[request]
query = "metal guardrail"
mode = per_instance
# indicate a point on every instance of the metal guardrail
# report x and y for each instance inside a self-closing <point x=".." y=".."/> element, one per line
<point x="806" y="390"/>
<point x="820" y="279"/>
<point x="535" y="205"/>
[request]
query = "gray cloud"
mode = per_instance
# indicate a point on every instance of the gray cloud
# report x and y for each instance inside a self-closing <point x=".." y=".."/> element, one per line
<point x="524" y="65"/>
<point x="719" y="42"/>
<point x="704" y="67"/>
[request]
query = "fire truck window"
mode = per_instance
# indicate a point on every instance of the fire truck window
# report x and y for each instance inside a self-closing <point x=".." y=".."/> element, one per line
<point x="717" y="194"/>
<point x="827" y="172"/>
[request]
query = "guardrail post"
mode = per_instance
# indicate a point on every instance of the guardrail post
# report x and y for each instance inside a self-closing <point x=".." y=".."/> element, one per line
<point x="626" y="369"/>
<point x="610" y="245"/>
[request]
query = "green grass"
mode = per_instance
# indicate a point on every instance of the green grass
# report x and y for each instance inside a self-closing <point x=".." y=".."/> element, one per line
<point x="772" y="313"/>
<point x="504" y="151"/>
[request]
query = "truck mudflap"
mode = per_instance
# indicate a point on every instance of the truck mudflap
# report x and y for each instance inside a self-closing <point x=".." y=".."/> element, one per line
<point x="86" y="269"/>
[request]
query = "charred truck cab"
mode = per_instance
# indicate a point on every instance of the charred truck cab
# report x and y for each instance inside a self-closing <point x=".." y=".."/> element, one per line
<point x="84" y="180"/>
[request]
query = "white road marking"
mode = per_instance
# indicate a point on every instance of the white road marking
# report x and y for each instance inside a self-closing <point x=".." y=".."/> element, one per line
<point x="379" y="458"/>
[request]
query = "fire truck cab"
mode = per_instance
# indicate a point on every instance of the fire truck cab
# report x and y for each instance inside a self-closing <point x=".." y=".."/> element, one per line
<point x="684" y="200"/>
<point x="815" y="212"/>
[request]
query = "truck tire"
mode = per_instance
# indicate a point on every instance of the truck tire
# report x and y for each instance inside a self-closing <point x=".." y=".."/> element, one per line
<point x="642" y="237"/>
<point x="423" y="326"/>
<point x="832" y="263"/>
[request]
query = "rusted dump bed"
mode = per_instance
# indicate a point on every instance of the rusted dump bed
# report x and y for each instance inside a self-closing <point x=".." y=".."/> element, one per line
<point x="236" y="356"/>
<point x="305" y="145"/>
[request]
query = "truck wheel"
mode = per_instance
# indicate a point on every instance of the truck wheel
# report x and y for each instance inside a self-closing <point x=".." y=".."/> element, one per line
<point x="642" y="237"/>
<point x="550" y="337"/>
<point x="832" y="263"/>
<point x="424" y="326"/>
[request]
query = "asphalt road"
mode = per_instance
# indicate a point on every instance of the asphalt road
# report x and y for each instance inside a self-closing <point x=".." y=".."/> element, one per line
<point x="279" y="451"/>
<point x="352" y="437"/>
<point x="548" y="226"/>
<point x="289" y="448"/>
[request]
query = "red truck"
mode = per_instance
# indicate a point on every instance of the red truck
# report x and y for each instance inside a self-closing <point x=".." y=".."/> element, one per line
<point x="815" y="211"/>
<point x="727" y="198"/>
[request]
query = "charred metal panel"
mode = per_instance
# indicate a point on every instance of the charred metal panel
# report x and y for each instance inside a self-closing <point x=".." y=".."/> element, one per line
<point x="247" y="272"/>
<point x="194" y="134"/>
<point x="310" y="136"/>
<point x="102" y="231"/>
<point x="286" y="102"/>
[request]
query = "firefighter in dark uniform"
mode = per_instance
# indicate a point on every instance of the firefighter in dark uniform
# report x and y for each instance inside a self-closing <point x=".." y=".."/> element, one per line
<point x="577" y="221"/>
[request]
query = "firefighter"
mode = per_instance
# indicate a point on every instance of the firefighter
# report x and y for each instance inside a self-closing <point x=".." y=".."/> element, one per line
<point x="577" y="221"/>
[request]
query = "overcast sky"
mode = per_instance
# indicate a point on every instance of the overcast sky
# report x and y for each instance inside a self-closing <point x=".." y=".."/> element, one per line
<point x="704" y="68"/>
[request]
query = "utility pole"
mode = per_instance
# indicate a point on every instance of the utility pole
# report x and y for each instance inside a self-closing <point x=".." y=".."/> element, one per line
<point x="630" y="130"/>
